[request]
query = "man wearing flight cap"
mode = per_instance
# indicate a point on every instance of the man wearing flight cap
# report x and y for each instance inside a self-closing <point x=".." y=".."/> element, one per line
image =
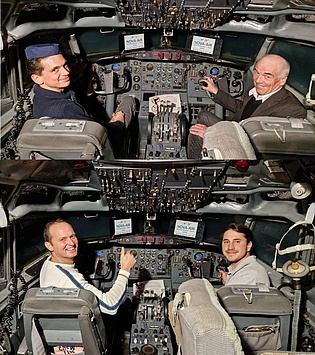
<point x="50" y="72"/>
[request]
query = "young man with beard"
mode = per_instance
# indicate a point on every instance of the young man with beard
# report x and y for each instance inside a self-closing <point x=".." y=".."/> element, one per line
<point x="244" y="269"/>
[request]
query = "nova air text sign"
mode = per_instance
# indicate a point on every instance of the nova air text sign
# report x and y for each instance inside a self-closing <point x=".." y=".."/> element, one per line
<point x="203" y="44"/>
<point x="134" y="41"/>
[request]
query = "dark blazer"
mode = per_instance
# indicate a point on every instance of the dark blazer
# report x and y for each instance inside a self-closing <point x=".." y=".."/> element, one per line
<point x="280" y="104"/>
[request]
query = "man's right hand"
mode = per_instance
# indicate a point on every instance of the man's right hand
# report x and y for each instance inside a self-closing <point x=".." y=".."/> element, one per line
<point x="127" y="260"/>
<point x="198" y="129"/>
<point x="209" y="85"/>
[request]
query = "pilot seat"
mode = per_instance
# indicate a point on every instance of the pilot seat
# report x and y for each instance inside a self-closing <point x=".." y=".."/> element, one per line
<point x="204" y="326"/>
<point x="52" y="138"/>
<point x="280" y="136"/>
<point x="259" y="137"/>
<point x="261" y="314"/>
<point x="55" y="318"/>
<point x="227" y="140"/>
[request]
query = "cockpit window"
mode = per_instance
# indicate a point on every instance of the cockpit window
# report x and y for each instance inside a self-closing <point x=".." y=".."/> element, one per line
<point x="36" y="12"/>
<point x="30" y="243"/>
<point x="99" y="41"/>
<point x="267" y="234"/>
<point x="106" y="42"/>
<point x="36" y="194"/>
<point x="1" y="256"/>
<point x="5" y="10"/>
<point x="234" y="48"/>
<point x="6" y="100"/>
<point x="301" y="58"/>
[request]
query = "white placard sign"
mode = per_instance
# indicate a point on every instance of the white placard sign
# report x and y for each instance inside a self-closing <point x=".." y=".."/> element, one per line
<point x="186" y="228"/>
<point x="123" y="226"/>
<point x="134" y="41"/>
<point x="203" y="44"/>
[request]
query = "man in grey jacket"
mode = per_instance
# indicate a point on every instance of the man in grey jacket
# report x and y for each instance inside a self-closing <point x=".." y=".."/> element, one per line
<point x="237" y="241"/>
<point x="268" y="97"/>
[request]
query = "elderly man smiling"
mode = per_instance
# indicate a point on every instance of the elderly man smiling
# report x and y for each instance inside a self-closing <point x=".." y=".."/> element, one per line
<point x="268" y="97"/>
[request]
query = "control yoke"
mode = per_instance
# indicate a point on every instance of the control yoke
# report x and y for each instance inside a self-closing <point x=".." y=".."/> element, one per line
<point x="113" y="83"/>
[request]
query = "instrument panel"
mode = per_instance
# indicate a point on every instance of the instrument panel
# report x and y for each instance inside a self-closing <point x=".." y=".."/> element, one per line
<point x="175" y="14"/>
<point x="176" y="189"/>
<point x="159" y="257"/>
<point x="167" y="71"/>
<point x="160" y="72"/>
<point x="163" y="263"/>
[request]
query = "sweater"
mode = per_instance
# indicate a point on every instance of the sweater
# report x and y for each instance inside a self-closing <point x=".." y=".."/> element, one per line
<point x="248" y="272"/>
<point x="67" y="276"/>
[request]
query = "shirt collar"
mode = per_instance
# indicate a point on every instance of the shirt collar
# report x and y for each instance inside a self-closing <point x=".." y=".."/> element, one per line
<point x="263" y="98"/>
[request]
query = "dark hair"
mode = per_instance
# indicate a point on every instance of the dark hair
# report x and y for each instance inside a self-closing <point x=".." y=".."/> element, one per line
<point x="34" y="66"/>
<point x="47" y="236"/>
<point x="240" y="228"/>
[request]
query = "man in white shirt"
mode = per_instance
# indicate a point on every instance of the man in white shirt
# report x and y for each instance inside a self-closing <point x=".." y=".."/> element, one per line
<point x="59" y="269"/>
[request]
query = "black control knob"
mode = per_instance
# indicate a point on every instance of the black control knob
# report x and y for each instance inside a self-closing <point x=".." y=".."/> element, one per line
<point x="202" y="83"/>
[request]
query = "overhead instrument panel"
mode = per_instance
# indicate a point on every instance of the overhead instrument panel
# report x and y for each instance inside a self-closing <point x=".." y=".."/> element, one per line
<point x="158" y="188"/>
<point x="177" y="14"/>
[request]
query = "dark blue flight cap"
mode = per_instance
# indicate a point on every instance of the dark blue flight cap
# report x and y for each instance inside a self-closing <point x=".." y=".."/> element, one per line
<point x="41" y="50"/>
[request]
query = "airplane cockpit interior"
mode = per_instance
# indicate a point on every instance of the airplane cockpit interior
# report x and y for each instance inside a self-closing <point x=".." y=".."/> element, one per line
<point x="153" y="192"/>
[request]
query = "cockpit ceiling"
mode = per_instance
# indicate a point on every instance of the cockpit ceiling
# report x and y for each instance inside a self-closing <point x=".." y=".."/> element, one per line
<point x="59" y="173"/>
<point x="53" y="172"/>
<point x="29" y="16"/>
<point x="133" y="187"/>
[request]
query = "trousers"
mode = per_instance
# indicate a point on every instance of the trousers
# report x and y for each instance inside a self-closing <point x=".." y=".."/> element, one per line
<point x="194" y="143"/>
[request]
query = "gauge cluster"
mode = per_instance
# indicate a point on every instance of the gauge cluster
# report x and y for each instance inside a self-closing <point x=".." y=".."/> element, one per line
<point x="169" y="71"/>
<point x="163" y="263"/>
<point x="146" y="74"/>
